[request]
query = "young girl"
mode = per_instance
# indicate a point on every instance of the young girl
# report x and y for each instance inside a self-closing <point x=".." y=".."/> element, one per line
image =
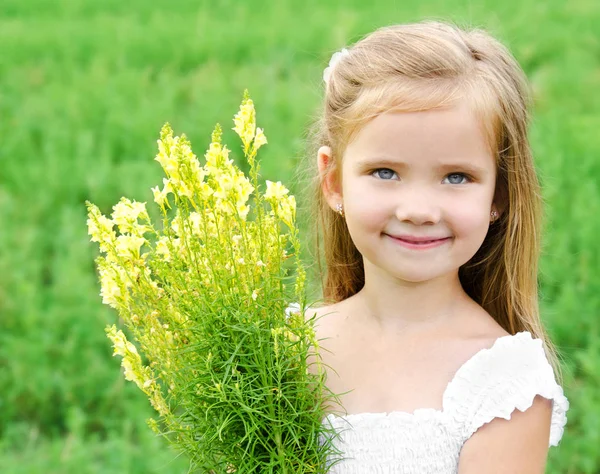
<point x="429" y="210"/>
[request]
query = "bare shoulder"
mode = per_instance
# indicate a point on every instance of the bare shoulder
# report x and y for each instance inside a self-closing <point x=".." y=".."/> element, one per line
<point x="475" y="331"/>
<point x="319" y="311"/>
<point x="324" y="330"/>
<point x="519" y="444"/>
<point x="481" y="327"/>
<point x="332" y="325"/>
<point x="326" y="317"/>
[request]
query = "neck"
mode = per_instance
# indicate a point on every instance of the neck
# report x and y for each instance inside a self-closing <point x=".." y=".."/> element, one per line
<point x="400" y="306"/>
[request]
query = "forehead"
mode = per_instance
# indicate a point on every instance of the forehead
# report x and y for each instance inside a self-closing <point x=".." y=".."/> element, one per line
<point x="441" y="135"/>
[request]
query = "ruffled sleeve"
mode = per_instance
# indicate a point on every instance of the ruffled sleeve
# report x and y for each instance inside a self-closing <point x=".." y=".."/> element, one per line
<point x="506" y="377"/>
<point x="292" y="308"/>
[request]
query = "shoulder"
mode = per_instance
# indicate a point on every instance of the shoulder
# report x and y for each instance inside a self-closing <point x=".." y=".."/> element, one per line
<point x="511" y="376"/>
<point x="327" y="317"/>
<point x="324" y="318"/>
<point x="479" y="326"/>
<point x="510" y="407"/>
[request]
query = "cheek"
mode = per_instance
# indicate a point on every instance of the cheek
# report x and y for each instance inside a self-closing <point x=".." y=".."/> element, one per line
<point x="470" y="219"/>
<point x="366" y="213"/>
<point x="363" y="213"/>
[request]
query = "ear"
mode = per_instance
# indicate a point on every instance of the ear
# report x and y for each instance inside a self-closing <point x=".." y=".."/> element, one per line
<point x="500" y="196"/>
<point x="329" y="176"/>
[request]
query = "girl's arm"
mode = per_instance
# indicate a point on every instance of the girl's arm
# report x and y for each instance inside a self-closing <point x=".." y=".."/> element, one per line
<point x="515" y="446"/>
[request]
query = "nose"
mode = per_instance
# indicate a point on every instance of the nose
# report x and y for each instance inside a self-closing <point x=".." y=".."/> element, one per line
<point x="418" y="207"/>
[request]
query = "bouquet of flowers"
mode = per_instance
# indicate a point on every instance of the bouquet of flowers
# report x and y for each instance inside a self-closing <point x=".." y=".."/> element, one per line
<point x="234" y="375"/>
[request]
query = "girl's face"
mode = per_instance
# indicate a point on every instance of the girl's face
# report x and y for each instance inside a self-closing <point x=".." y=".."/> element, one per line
<point x="410" y="176"/>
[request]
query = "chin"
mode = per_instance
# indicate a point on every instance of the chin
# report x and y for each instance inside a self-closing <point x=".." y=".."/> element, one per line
<point x="422" y="274"/>
<point x="418" y="276"/>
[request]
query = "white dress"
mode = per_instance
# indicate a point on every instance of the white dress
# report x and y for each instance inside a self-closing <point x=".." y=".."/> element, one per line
<point x="491" y="384"/>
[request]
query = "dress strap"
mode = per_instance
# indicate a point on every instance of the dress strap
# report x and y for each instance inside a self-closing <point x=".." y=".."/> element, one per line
<point x="505" y="377"/>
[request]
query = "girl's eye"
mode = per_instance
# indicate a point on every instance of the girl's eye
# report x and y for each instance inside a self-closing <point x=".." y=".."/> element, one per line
<point x="383" y="173"/>
<point x="455" y="178"/>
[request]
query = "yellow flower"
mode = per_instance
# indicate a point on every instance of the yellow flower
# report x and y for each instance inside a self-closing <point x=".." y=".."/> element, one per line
<point x="287" y="210"/>
<point x="119" y="341"/>
<point x="185" y="175"/>
<point x="243" y="211"/>
<point x="129" y="245"/>
<point x="204" y="191"/>
<point x="126" y="213"/>
<point x="183" y="189"/>
<point x="131" y="362"/>
<point x="245" y="122"/>
<point x="275" y="191"/>
<point x="100" y="228"/>
<point x="165" y="157"/>
<point x="197" y="172"/>
<point x="283" y="206"/>
<point x="225" y="184"/>
<point x="243" y="189"/>
<point x="243" y="186"/>
<point x="161" y="197"/>
<point x="216" y="156"/>
<point x="176" y="224"/>
<point x="109" y="289"/>
<point x="195" y="220"/>
<point x="260" y="139"/>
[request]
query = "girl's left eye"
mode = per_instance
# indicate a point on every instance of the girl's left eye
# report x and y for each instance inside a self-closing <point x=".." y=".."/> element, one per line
<point x="455" y="178"/>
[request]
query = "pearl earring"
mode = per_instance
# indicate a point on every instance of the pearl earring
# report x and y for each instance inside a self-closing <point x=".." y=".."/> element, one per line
<point x="494" y="215"/>
<point x="339" y="208"/>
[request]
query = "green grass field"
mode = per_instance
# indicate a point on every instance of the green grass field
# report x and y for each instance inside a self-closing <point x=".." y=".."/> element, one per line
<point x="84" y="90"/>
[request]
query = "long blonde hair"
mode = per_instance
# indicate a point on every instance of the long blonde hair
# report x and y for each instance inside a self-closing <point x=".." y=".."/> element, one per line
<point x="421" y="66"/>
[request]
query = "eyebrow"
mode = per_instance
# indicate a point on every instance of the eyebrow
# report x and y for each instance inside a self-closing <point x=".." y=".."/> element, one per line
<point x="386" y="162"/>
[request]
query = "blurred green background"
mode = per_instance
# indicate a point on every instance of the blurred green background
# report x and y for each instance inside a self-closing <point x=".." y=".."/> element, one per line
<point x="84" y="89"/>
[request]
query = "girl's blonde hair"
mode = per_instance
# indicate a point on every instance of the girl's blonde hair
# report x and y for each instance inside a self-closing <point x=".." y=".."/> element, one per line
<point x="422" y="66"/>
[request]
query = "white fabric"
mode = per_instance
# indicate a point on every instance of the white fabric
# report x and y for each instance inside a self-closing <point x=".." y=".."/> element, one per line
<point x="491" y="384"/>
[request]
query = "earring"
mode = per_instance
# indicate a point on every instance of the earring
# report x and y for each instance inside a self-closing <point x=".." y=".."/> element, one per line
<point x="494" y="215"/>
<point x="339" y="208"/>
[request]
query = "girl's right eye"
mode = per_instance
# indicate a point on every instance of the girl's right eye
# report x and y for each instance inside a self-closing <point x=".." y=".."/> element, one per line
<point x="383" y="173"/>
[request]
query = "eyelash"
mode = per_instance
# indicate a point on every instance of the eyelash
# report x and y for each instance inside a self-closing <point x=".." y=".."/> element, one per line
<point x="466" y="176"/>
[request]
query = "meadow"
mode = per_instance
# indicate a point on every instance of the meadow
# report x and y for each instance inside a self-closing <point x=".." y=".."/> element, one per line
<point x="84" y="90"/>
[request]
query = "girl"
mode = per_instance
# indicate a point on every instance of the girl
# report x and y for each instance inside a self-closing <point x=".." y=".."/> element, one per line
<point x="429" y="209"/>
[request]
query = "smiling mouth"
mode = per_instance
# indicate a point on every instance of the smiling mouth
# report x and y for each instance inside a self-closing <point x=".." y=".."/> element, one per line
<point x="418" y="240"/>
<point x="418" y="243"/>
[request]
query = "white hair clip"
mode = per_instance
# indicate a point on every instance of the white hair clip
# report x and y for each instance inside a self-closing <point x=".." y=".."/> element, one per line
<point x="335" y="58"/>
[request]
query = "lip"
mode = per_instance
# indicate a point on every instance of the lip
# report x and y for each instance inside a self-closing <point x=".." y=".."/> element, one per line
<point x="413" y="238"/>
<point x="419" y="243"/>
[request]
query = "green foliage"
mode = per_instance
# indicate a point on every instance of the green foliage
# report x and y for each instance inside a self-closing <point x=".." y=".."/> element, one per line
<point x="230" y="375"/>
<point x="132" y="449"/>
<point x="84" y="86"/>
